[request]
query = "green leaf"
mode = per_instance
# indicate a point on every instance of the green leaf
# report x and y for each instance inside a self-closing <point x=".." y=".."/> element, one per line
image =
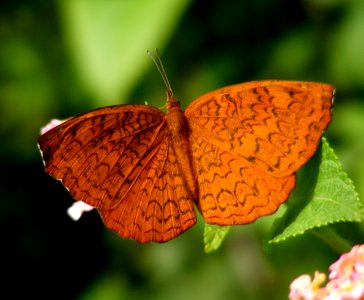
<point x="324" y="195"/>
<point x="214" y="236"/>
<point x="108" y="40"/>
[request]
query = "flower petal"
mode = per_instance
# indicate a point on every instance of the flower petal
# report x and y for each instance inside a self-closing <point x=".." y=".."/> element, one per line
<point x="53" y="123"/>
<point x="77" y="209"/>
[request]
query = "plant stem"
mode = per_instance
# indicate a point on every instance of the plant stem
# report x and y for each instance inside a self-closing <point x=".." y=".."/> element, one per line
<point x="333" y="239"/>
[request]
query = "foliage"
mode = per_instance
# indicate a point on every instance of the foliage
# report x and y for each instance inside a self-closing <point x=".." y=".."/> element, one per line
<point x="324" y="195"/>
<point x="214" y="236"/>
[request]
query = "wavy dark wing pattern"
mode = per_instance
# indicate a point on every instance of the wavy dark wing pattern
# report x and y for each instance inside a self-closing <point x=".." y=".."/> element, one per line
<point x="232" y="190"/>
<point x="119" y="160"/>
<point x="260" y="133"/>
<point x="275" y="125"/>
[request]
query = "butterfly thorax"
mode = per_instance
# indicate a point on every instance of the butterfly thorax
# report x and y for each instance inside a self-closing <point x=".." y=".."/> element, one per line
<point x="178" y="131"/>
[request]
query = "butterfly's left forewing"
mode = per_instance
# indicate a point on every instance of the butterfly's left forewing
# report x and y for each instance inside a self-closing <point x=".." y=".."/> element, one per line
<point x="119" y="160"/>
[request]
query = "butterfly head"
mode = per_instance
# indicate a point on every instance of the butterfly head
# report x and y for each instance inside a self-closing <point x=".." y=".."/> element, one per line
<point x="171" y="101"/>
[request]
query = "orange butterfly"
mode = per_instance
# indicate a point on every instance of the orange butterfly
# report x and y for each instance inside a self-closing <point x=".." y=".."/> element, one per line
<point x="233" y="152"/>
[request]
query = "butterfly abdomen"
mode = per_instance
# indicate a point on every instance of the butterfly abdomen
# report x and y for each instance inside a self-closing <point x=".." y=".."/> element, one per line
<point x="178" y="132"/>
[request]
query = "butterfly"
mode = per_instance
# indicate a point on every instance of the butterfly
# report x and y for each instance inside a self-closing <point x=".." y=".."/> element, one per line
<point x="233" y="154"/>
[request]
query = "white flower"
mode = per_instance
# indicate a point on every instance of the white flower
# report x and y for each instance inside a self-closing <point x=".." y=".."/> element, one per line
<point x="77" y="209"/>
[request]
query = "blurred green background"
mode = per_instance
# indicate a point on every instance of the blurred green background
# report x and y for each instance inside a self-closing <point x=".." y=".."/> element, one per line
<point x="61" y="58"/>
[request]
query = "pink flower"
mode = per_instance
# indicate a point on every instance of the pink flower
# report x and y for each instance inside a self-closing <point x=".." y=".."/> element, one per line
<point x="346" y="280"/>
<point x="53" y="123"/>
<point x="347" y="275"/>
<point x="302" y="288"/>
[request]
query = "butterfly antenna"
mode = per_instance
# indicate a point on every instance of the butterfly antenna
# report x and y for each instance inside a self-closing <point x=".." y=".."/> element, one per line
<point x="159" y="64"/>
